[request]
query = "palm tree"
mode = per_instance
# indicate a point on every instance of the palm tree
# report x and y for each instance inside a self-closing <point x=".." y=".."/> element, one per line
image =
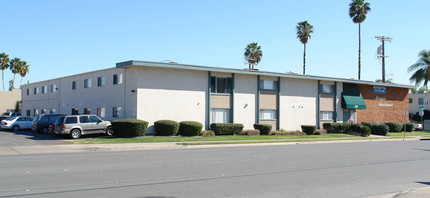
<point x="357" y="11"/>
<point x="4" y="64"/>
<point x="421" y="69"/>
<point x="304" y="30"/>
<point x="15" y="66"/>
<point x="253" y="54"/>
<point x="24" y="69"/>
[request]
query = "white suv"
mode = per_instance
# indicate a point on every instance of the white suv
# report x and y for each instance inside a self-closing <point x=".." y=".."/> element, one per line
<point x="77" y="125"/>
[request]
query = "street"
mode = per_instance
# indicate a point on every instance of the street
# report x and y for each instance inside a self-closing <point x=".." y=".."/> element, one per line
<point x="303" y="170"/>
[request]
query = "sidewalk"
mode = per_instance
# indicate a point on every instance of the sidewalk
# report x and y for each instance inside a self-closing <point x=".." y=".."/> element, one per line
<point x="414" y="193"/>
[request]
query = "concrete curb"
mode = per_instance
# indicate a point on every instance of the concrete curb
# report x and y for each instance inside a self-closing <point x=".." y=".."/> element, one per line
<point x="413" y="193"/>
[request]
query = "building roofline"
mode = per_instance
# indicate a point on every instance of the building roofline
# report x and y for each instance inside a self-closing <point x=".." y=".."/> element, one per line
<point x="252" y="72"/>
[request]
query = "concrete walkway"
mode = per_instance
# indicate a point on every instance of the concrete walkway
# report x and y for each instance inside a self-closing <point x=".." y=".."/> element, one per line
<point x="413" y="193"/>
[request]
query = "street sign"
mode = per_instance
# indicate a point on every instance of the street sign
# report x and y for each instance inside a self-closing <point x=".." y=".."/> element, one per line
<point x="421" y="112"/>
<point x="421" y="108"/>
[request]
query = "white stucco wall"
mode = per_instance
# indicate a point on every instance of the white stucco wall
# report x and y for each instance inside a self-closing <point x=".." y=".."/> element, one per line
<point x="171" y="94"/>
<point x="8" y="100"/>
<point x="298" y="103"/>
<point x="244" y="109"/>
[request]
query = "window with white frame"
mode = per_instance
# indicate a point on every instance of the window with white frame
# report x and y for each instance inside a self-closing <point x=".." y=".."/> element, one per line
<point x="52" y="111"/>
<point x="267" y="114"/>
<point x="87" y="83"/>
<point x="36" y="90"/>
<point x="327" y="89"/>
<point x="87" y="111"/>
<point x="101" y="81"/>
<point x="75" y="111"/>
<point x="75" y="85"/>
<point x="53" y="88"/>
<point x="222" y="85"/>
<point x="44" y="89"/>
<point x="117" y="79"/>
<point x="43" y="111"/>
<point x="101" y="112"/>
<point x="410" y="100"/>
<point x="117" y="112"/>
<point x="28" y="92"/>
<point x="220" y="115"/>
<point x="326" y="115"/>
<point x="423" y="101"/>
<point x="35" y="112"/>
<point x="28" y="112"/>
<point x="268" y="85"/>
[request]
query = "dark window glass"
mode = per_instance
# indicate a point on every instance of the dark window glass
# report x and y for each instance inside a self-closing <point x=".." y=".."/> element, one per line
<point x="44" y="119"/>
<point x="53" y="118"/>
<point x="221" y="85"/>
<point x="84" y="119"/>
<point x="94" y="119"/>
<point x="28" y="112"/>
<point x="213" y="81"/>
<point x="71" y="120"/>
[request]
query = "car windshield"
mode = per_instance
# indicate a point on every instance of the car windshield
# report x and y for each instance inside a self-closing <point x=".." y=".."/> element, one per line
<point x="60" y="120"/>
<point x="11" y="118"/>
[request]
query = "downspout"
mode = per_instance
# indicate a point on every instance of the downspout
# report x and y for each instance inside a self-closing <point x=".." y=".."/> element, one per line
<point x="232" y="99"/>
<point x="318" y="105"/>
<point x="208" y="113"/>
<point x="257" y="114"/>
<point x="278" y="97"/>
<point x="335" y="102"/>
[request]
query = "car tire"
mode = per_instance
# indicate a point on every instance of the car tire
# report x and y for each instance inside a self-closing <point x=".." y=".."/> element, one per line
<point x="109" y="131"/>
<point x="75" y="134"/>
<point x="45" y="130"/>
<point x="15" y="128"/>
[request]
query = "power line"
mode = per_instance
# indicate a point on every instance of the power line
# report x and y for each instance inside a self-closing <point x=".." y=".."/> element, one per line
<point x="382" y="54"/>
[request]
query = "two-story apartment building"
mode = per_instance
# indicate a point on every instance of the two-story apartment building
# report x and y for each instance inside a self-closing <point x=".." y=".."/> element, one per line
<point x="153" y="91"/>
<point x="417" y="101"/>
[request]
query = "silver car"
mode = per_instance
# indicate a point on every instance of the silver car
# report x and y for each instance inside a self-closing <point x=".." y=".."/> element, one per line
<point x="77" y="125"/>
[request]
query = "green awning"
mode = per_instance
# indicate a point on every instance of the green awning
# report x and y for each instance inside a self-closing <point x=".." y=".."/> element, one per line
<point x="353" y="102"/>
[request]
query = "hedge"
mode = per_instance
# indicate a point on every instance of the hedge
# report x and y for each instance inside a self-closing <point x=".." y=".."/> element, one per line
<point x="409" y="127"/>
<point x="377" y="128"/>
<point x="359" y="129"/>
<point x="129" y="127"/>
<point x="337" y="127"/>
<point x="226" y="128"/>
<point x="309" y="129"/>
<point x="264" y="128"/>
<point x="250" y="132"/>
<point x="207" y="133"/>
<point x="166" y="127"/>
<point x="394" y="126"/>
<point x="190" y="128"/>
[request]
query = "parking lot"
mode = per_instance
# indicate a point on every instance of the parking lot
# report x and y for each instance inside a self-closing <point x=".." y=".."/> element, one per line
<point x="28" y="138"/>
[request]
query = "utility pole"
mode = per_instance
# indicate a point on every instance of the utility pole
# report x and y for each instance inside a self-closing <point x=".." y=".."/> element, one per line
<point x="383" y="39"/>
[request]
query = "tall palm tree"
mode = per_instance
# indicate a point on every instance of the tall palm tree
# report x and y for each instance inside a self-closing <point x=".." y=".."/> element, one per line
<point x="4" y="64"/>
<point x="15" y="66"/>
<point x="304" y="30"/>
<point x="253" y="54"/>
<point x="357" y="11"/>
<point x="24" y="69"/>
<point x="421" y="69"/>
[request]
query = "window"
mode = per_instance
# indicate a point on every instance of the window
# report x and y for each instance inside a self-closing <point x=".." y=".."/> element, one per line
<point x="101" y="112"/>
<point x="221" y="85"/>
<point x="117" y="79"/>
<point x="36" y="90"/>
<point x="266" y="114"/>
<point x="53" y="88"/>
<point x="423" y="101"/>
<point x="75" y="111"/>
<point x="71" y="120"/>
<point x="220" y="115"/>
<point x="117" y="112"/>
<point x="87" y="83"/>
<point x="84" y="119"/>
<point x="87" y="111"/>
<point x="410" y="100"/>
<point x="35" y="112"/>
<point x="43" y="111"/>
<point x="74" y="85"/>
<point x="101" y="81"/>
<point x="44" y="89"/>
<point x="326" y="115"/>
<point x="327" y="89"/>
<point x="94" y="119"/>
<point x="28" y="92"/>
<point x="268" y="85"/>
<point x="52" y="111"/>
<point x="28" y="112"/>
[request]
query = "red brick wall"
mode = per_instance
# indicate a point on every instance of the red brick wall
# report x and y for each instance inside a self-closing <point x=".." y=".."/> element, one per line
<point x="399" y="97"/>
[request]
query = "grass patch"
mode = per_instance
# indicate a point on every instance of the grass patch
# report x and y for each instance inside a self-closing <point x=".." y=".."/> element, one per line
<point x="274" y="141"/>
<point x="414" y="133"/>
<point x="149" y="139"/>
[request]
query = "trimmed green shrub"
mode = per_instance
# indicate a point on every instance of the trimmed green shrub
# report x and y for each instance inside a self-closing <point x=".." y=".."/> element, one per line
<point x="377" y="128"/>
<point x="166" y="127"/>
<point x="359" y="129"/>
<point x="263" y="128"/>
<point x="409" y="127"/>
<point x="309" y="129"/>
<point x="365" y="131"/>
<point x="250" y="132"/>
<point x="207" y="133"/>
<point x="283" y="132"/>
<point x="226" y="128"/>
<point x="190" y="128"/>
<point x="129" y="127"/>
<point x="327" y="126"/>
<point x="339" y="127"/>
<point x="394" y="126"/>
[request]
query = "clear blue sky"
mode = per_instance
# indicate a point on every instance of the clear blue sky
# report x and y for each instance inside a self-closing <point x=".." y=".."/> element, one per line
<point x="61" y="38"/>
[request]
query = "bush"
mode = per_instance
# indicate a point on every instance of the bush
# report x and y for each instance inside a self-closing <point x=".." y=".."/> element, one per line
<point x="190" y="128"/>
<point x="129" y="127"/>
<point x="309" y="129"/>
<point x="394" y="126"/>
<point x="359" y="129"/>
<point x="166" y="127"/>
<point x="263" y="128"/>
<point x="283" y="132"/>
<point x="377" y="128"/>
<point x="250" y="132"/>
<point x="207" y="133"/>
<point x="226" y="128"/>
<point x="409" y="127"/>
<point x="339" y="127"/>
<point x="327" y="126"/>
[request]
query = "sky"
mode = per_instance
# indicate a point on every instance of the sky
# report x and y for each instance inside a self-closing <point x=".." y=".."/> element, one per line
<point x="62" y="38"/>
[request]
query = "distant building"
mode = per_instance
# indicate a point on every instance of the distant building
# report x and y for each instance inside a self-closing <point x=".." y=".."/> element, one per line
<point x="418" y="100"/>
<point x="153" y="91"/>
<point x="8" y="100"/>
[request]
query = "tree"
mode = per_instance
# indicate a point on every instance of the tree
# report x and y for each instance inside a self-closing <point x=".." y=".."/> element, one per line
<point x="24" y="69"/>
<point x="4" y="64"/>
<point x="253" y="54"/>
<point x="18" y="106"/>
<point x="15" y="66"/>
<point x="357" y="11"/>
<point x="304" y="30"/>
<point x="421" y="69"/>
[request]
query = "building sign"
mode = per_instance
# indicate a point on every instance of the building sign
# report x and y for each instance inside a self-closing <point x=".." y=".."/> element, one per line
<point x="379" y="89"/>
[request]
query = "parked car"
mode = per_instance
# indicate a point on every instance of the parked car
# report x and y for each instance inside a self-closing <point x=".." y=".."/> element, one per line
<point x="17" y="123"/>
<point x="42" y="122"/>
<point x="78" y="125"/>
<point x="11" y="114"/>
